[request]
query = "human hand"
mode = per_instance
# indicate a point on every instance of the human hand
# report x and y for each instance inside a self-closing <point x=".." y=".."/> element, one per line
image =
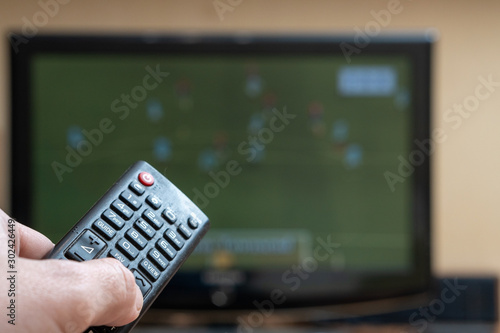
<point x="60" y="296"/>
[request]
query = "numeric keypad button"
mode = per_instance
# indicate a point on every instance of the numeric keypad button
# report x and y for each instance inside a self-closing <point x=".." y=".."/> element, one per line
<point x="122" y="209"/>
<point x="158" y="259"/>
<point x="113" y="219"/>
<point x="151" y="217"/>
<point x="174" y="239"/>
<point x="169" y="215"/>
<point x="130" y="199"/>
<point x="166" y="249"/>
<point x="127" y="248"/>
<point x="144" y="228"/>
<point x="136" y="238"/>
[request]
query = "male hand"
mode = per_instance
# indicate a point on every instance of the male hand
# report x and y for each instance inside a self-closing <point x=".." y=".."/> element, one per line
<point x="60" y="296"/>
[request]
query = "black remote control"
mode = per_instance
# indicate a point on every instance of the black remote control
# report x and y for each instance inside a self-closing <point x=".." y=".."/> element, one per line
<point x="146" y="223"/>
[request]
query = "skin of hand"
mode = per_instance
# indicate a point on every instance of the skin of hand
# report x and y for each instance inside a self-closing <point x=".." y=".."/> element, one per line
<point x="60" y="296"/>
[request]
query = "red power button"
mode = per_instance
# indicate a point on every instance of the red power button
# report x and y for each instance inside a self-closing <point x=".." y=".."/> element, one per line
<point x="146" y="178"/>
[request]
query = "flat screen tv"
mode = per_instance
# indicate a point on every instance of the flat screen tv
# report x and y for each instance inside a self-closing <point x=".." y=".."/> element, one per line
<point x="309" y="154"/>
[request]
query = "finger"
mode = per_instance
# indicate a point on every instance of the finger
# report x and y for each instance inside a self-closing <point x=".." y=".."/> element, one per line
<point x="69" y="296"/>
<point x="120" y="298"/>
<point x="31" y="243"/>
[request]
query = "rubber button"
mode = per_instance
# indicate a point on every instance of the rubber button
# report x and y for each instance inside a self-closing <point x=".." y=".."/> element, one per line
<point x="87" y="247"/>
<point x="146" y="178"/>
<point x="142" y="282"/>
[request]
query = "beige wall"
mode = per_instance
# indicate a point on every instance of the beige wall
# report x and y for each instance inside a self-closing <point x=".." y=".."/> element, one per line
<point x="466" y="166"/>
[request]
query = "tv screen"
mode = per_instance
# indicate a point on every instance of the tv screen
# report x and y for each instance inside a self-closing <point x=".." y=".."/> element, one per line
<point x="309" y="154"/>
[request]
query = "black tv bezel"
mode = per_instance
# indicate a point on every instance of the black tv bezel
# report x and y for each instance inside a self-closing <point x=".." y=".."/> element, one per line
<point x="418" y="48"/>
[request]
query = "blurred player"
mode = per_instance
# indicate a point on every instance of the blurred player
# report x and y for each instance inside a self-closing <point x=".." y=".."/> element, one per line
<point x="253" y="82"/>
<point x="353" y="156"/>
<point x="402" y="99"/>
<point x="184" y="95"/>
<point x="220" y="146"/>
<point x="268" y="103"/>
<point x="162" y="149"/>
<point x="315" y="113"/>
<point x="74" y="136"/>
<point x="154" y="110"/>
<point x="258" y="152"/>
<point x="257" y="122"/>
<point x="339" y="134"/>
<point x="207" y="160"/>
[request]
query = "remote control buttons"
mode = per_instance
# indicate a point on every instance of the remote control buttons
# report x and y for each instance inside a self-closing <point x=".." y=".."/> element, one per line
<point x="113" y="219"/>
<point x="118" y="256"/>
<point x="128" y="249"/>
<point x="193" y="222"/>
<point x="130" y="199"/>
<point x="154" y="201"/>
<point x="141" y="281"/>
<point x="137" y="187"/>
<point x="136" y="238"/>
<point x="104" y="229"/>
<point x="158" y="259"/>
<point x="122" y="209"/>
<point x="87" y="247"/>
<point x="169" y="215"/>
<point x="146" y="178"/>
<point x="167" y="250"/>
<point x="144" y="228"/>
<point x="151" y="217"/>
<point x="184" y="231"/>
<point x="173" y="239"/>
<point x="150" y="269"/>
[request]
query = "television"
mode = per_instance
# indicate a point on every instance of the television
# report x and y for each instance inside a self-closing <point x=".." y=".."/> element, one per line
<point x="309" y="153"/>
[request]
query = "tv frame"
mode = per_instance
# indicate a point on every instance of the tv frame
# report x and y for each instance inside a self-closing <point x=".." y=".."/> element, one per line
<point x="418" y="47"/>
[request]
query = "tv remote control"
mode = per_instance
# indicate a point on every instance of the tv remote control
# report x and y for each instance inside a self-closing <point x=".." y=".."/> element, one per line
<point x="146" y="223"/>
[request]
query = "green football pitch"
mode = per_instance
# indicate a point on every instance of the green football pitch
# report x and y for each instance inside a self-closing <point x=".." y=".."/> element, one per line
<point x="294" y="181"/>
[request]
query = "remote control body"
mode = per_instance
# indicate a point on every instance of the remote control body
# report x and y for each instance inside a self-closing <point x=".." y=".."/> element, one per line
<point x="143" y="221"/>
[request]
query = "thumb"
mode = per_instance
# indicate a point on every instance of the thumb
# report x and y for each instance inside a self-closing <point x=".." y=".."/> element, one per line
<point x="69" y="296"/>
<point x="115" y="298"/>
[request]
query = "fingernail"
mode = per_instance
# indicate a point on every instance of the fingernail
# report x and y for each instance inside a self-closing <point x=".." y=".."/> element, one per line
<point x="139" y="301"/>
